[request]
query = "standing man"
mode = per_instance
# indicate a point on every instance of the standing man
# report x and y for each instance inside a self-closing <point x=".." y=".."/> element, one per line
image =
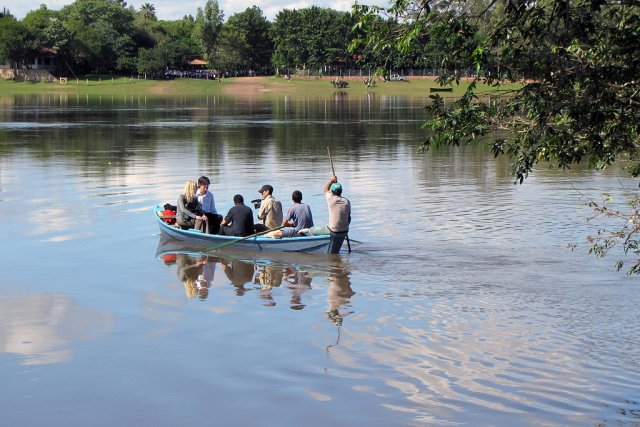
<point x="206" y="199"/>
<point x="339" y="215"/>
<point x="239" y="220"/>
<point x="270" y="212"/>
<point x="297" y="217"/>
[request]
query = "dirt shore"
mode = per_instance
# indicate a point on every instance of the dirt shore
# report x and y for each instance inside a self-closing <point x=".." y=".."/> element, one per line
<point x="251" y="86"/>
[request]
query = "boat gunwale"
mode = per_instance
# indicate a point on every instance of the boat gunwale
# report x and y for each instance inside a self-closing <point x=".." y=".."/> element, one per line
<point x="256" y="242"/>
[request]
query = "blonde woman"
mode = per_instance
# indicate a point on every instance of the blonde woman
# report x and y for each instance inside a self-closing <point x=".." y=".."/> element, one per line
<point x="189" y="214"/>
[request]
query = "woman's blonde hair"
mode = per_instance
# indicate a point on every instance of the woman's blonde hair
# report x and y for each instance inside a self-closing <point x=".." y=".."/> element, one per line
<point x="189" y="192"/>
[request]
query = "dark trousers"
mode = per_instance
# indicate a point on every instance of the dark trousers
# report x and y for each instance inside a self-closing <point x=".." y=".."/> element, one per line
<point x="337" y="239"/>
<point x="190" y="223"/>
<point x="225" y="230"/>
<point x="213" y="223"/>
<point x="260" y="228"/>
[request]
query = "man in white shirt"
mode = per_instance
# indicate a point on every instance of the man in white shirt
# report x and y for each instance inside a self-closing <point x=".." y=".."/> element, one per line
<point x="206" y="199"/>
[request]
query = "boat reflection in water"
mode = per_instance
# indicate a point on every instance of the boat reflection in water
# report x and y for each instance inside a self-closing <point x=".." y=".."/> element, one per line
<point x="294" y="272"/>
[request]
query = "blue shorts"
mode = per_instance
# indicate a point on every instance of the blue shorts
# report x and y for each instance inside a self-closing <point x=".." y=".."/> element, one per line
<point x="289" y="232"/>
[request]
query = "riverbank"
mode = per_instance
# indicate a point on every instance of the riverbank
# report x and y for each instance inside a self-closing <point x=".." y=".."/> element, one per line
<point x="236" y="86"/>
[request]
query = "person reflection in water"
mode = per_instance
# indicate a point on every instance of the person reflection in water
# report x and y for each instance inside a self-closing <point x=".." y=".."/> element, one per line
<point x="298" y="282"/>
<point x="196" y="273"/>
<point x="269" y="276"/>
<point x="339" y="293"/>
<point x="239" y="273"/>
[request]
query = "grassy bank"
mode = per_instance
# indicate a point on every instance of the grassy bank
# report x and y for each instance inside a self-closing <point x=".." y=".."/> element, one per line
<point x="119" y="86"/>
<point x="412" y="87"/>
<point x="240" y="86"/>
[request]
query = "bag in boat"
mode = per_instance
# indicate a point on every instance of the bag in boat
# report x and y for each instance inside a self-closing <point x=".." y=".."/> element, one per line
<point x="170" y="214"/>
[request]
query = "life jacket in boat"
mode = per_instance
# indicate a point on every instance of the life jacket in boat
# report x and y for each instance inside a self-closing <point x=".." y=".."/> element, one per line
<point x="170" y="214"/>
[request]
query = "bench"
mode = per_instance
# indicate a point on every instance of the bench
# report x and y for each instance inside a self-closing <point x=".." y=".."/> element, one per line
<point x="440" y="89"/>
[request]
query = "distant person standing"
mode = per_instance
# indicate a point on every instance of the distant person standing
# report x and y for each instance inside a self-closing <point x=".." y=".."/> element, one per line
<point x="297" y="217"/>
<point x="206" y="199"/>
<point x="270" y="211"/>
<point x="239" y="220"/>
<point x="339" y="215"/>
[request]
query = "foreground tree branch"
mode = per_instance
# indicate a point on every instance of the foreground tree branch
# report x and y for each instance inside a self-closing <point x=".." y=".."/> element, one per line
<point x="578" y="63"/>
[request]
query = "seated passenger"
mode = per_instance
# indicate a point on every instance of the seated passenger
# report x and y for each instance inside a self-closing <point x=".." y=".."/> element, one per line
<point x="270" y="212"/>
<point x="205" y="197"/>
<point x="189" y="212"/>
<point x="297" y="217"/>
<point x="239" y="220"/>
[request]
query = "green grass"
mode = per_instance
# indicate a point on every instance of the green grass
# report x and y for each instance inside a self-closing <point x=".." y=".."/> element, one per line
<point x="267" y="87"/>
<point x="417" y="87"/>
<point x="119" y="86"/>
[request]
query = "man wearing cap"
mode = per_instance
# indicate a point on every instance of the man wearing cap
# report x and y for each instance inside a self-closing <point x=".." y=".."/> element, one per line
<point x="270" y="212"/>
<point x="339" y="215"/>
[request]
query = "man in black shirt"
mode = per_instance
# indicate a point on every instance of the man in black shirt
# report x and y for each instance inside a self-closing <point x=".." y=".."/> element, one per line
<point x="239" y="220"/>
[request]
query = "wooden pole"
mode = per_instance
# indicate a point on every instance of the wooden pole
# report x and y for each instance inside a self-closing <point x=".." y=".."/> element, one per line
<point x="225" y="244"/>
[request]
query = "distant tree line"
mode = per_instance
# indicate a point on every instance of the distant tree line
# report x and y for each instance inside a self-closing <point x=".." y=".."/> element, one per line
<point x="107" y="36"/>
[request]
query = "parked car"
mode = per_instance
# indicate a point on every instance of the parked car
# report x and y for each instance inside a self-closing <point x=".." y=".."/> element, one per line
<point x="397" y="78"/>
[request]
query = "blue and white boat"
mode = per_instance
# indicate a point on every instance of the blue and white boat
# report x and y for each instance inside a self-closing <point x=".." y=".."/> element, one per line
<point x="199" y="240"/>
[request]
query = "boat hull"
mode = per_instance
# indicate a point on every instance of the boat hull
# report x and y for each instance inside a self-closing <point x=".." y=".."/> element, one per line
<point x="199" y="240"/>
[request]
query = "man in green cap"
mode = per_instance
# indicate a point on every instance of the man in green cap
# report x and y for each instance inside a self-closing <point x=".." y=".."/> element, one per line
<point x="339" y="215"/>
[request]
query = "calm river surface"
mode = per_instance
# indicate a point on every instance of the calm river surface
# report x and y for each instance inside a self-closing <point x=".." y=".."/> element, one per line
<point x="462" y="305"/>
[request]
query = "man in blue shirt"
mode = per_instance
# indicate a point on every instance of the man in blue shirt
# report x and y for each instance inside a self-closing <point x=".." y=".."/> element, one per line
<point x="297" y="217"/>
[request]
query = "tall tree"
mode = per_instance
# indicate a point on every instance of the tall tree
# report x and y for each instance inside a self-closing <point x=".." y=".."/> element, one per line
<point x="312" y="37"/>
<point x="148" y="12"/>
<point x="13" y="36"/>
<point x="253" y="27"/>
<point x="287" y="34"/>
<point x="151" y="62"/>
<point x="207" y="28"/>
<point x="103" y="35"/>
<point x="43" y="30"/>
<point x="232" y="50"/>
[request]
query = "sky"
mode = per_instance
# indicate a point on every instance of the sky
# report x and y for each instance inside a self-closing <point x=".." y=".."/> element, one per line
<point x="173" y="10"/>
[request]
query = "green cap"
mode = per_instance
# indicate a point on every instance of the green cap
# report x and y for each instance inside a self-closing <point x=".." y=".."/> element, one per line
<point x="336" y="186"/>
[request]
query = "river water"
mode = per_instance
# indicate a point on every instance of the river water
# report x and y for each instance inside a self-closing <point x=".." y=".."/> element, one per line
<point x="460" y="303"/>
